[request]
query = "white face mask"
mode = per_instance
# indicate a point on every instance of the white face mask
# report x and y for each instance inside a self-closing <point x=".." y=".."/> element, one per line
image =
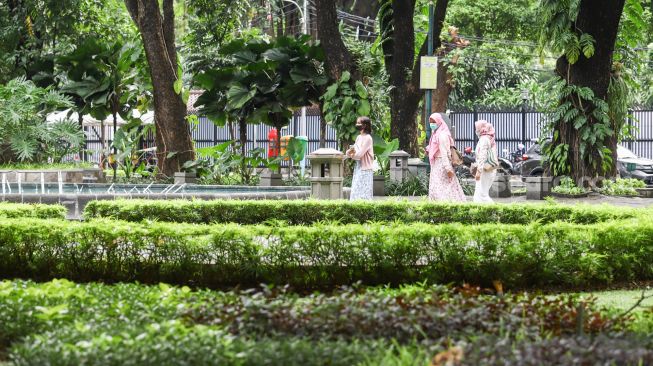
<point x="478" y="134"/>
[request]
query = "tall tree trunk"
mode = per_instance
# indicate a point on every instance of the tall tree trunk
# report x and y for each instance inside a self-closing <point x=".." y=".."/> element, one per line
<point x="173" y="139"/>
<point x="600" y="19"/>
<point x="400" y="56"/>
<point x="338" y="59"/>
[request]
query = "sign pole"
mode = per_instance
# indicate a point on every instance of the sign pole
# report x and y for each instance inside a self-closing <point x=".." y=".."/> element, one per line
<point x="428" y="93"/>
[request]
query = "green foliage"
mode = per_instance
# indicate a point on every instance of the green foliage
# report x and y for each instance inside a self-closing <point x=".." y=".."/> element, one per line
<point x="45" y="166"/>
<point x="558" y="31"/>
<point x="568" y="186"/>
<point x="106" y="78"/>
<point x="63" y="323"/>
<point x="126" y="144"/>
<point x="24" y="133"/>
<point x="221" y="164"/>
<point x="262" y="81"/>
<point x="342" y="103"/>
<point x="382" y="151"/>
<point x="581" y="111"/>
<point x="622" y="187"/>
<point x="16" y="210"/>
<point x="413" y="186"/>
<point x="314" y="211"/>
<point x="534" y="255"/>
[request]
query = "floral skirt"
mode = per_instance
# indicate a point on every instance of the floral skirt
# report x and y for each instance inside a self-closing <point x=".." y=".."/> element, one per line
<point x="362" y="184"/>
<point x="443" y="188"/>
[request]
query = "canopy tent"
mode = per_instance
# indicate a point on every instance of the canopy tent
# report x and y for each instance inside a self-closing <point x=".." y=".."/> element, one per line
<point x="88" y="120"/>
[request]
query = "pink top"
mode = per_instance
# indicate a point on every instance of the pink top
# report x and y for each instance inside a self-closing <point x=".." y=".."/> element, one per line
<point x="364" y="147"/>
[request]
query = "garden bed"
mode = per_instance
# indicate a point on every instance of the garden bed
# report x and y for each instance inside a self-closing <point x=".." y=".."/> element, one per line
<point x="63" y="323"/>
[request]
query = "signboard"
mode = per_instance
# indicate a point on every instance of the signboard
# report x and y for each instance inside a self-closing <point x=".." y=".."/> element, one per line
<point x="428" y="76"/>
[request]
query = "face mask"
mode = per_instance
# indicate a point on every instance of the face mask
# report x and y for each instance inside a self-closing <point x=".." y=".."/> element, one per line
<point x="360" y="127"/>
<point x="434" y="127"/>
<point x="478" y="134"/>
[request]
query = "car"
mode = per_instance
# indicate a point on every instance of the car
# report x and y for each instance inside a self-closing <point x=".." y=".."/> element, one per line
<point x="628" y="164"/>
<point x="631" y="166"/>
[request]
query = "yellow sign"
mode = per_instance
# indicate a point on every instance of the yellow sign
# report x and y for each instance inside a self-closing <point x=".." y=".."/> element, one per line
<point x="428" y="76"/>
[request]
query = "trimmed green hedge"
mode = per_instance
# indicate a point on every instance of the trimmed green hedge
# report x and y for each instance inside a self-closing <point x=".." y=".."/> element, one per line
<point x="345" y="212"/>
<point x="558" y="254"/>
<point x="15" y="210"/>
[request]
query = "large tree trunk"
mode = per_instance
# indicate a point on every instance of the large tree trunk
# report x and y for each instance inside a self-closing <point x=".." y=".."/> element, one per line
<point x="600" y="19"/>
<point x="173" y="140"/>
<point x="337" y="56"/>
<point x="400" y="56"/>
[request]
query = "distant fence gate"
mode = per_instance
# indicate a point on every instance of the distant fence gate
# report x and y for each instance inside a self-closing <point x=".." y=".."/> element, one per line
<point x="512" y="128"/>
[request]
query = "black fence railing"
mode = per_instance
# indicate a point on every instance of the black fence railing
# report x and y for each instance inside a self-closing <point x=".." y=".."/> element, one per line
<point x="512" y="128"/>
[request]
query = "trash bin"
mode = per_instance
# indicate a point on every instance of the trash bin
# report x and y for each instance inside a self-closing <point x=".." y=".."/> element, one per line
<point x="284" y="145"/>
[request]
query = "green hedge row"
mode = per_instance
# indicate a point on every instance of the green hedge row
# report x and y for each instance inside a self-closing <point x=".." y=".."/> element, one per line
<point x="558" y="254"/>
<point x="64" y="323"/>
<point x="15" y="210"/>
<point x="345" y="212"/>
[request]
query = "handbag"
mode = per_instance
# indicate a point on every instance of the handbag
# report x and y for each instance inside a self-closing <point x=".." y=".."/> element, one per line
<point x="456" y="157"/>
<point x="492" y="162"/>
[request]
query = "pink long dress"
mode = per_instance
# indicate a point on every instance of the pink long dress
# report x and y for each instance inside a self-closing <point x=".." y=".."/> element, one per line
<point x="441" y="187"/>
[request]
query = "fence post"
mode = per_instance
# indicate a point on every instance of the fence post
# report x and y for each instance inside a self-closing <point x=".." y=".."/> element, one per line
<point x="474" y="129"/>
<point x="215" y="134"/>
<point x="523" y="124"/>
<point x="630" y="129"/>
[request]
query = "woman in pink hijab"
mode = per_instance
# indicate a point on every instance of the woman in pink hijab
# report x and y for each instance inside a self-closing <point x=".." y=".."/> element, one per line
<point x="486" y="161"/>
<point x="443" y="183"/>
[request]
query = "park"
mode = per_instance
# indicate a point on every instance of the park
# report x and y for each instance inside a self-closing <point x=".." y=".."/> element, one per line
<point x="326" y="182"/>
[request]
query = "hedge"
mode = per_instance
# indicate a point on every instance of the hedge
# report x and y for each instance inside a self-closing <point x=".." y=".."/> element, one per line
<point x="41" y="211"/>
<point x="345" y="212"/>
<point x="557" y="254"/>
<point x="64" y="323"/>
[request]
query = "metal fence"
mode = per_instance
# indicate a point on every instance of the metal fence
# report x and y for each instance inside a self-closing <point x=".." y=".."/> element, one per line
<point x="512" y="128"/>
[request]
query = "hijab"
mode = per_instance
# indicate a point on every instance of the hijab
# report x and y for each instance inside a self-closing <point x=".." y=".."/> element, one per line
<point x="442" y="131"/>
<point x="485" y="128"/>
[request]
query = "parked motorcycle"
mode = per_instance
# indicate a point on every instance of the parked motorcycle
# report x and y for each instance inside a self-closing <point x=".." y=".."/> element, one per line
<point x="469" y="157"/>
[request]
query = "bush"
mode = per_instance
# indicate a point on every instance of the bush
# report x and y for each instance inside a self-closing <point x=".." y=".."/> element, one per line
<point x="345" y="212"/>
<point x="15" y="210"/>
<point x="413" y="186"/>
<point x="558" y="254"/>
<point x="622" y="187"/>
<point x="63" y="323"/>
<point x="568" y="186"/>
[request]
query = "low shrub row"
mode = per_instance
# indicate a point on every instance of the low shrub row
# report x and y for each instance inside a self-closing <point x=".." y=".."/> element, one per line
<point x="14" y="210"/>
<point x="63" y="323"/>
<point x="345" y="212"/>
<point x="558" y="254"/>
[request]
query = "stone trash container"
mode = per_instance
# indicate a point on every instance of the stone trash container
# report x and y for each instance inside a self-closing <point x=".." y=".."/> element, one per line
<point x="538" y="188"/>
<point x="326" y="173"/>
<point x="399" y="166"/>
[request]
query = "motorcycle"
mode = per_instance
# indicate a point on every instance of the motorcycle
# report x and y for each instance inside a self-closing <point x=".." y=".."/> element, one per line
<point x="469" y="157"/>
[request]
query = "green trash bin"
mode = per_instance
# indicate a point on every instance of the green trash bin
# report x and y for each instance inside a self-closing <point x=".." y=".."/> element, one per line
<point x="304" y="151"/>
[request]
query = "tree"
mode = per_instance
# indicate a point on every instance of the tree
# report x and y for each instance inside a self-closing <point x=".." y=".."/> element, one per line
<point x="156" y="26"/>
<point x="401" y="59"/>
<point x="403" y="66"/>
<point x="262" y="82"/>
<point x="105" y="79"/>
<point x="584" y="136"/>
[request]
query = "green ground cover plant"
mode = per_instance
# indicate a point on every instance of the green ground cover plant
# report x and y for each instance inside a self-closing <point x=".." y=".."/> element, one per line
<point x="45" y="166"/>
<point x="41" y="211"/>
<point x="622" y="187"/>
<point x="326" y="255"/>
<point x="345" y="212"/>
<point x="64" y="323"/>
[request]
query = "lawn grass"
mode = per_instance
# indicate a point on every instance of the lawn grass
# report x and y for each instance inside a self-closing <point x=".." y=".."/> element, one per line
<point x="621" y="299"/>
<point x="45" y="166"/>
